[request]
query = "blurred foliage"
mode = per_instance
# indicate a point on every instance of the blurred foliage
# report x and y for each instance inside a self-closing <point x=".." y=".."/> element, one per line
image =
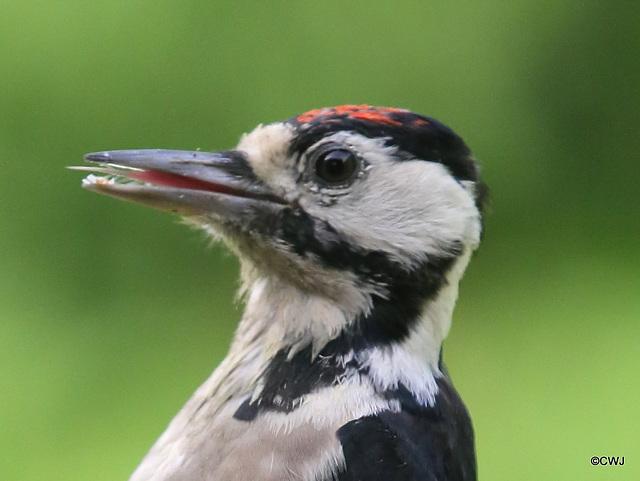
<point x="112" y="314"/>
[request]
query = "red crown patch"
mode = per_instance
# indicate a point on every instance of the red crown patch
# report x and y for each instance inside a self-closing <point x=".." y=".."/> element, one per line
<point x="362" y="112"/>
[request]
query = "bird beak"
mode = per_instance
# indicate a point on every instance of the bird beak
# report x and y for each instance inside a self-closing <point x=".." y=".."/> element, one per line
<point x="220" y="185"/>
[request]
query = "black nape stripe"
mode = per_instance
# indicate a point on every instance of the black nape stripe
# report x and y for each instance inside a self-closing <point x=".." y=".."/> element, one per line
<point x="392" y="318"/>
<point x="409" y="287"/>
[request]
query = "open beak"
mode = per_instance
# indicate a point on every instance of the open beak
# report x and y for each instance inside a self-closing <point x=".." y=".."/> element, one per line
<point x="219" y="185"/>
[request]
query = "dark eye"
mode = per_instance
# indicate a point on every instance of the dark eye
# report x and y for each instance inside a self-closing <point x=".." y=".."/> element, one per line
<point x="336" y="166"/>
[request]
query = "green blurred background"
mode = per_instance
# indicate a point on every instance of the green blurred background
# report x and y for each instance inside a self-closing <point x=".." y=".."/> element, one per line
<point x="112" y="314"/>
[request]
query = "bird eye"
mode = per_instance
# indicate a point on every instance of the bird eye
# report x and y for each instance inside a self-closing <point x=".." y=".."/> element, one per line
<point x="336" y="166"/>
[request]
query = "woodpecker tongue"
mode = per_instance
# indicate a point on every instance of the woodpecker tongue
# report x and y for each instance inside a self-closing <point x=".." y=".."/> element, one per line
<point x="166" y="179"/>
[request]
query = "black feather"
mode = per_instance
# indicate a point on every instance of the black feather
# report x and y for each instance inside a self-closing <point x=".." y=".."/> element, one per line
<point x="416" y="444"/>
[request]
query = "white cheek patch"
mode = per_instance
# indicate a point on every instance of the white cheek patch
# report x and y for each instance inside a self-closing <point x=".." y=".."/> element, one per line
<point x="266" y="147"/>
<point x="407" y="208"/>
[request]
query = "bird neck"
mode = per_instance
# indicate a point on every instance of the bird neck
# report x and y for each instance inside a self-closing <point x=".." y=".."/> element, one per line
<point x="291" y="333"/>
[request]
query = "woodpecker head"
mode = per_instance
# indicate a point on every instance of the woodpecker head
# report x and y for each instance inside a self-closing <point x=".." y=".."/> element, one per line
<point x="361" y="215"/>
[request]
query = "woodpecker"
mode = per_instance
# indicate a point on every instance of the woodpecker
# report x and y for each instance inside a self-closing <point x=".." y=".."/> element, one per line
<point x="353" y="226"/>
